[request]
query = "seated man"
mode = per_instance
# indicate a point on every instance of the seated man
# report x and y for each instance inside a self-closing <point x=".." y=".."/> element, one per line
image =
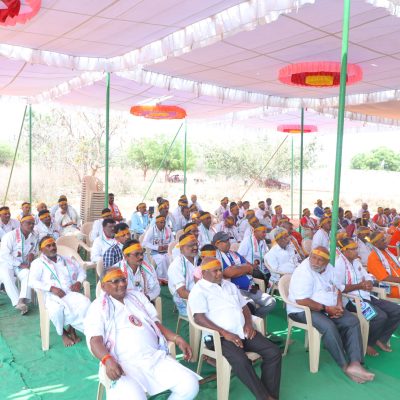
<point x="163" y="210"/>
<point x="139" y="220"/>
<point x="194" y="202"/>
<point x="182" y="202"/>
<point x="228" y="226"/>
<point x="313" y="285"/>
<point x="61" y="280"/>
<point x="7" y="224"/>
<point x="381" y="219"/>
<point x="103" y="242"/>
<point x="383" y="264"/>
<point x="217" y="304"/>
<point x="282" y="257"/>
<point x="295" y="237"/>
<point x="115" y="212"/>
<point x="318" y="210"/>
<point x="264" y="215"/>
<point x="18" y="249"/>
<point x="66" y="218"/>
<point x="353" y="279"/>
<point x="219" y="212"/>
<point x="364" y="247"/>
<point x="141" y="275"/>
<point x="97" y="227"/>
<point x="239" y="271"/>
<point x="191" y="227"/>
<point x="114" y="253"/>
<point x="181" y="270"/>
<point x="25" y="210"/>
<point x="125" y="334"/>
<point x="182" y="218"/>
<point x="278" y="216"/>
<point x="308" y="222"/>
<point x="205" y="229"/>
<point x="157" y="239"/>
<point x="45" y="226"/>
<point x="321" y="237"/>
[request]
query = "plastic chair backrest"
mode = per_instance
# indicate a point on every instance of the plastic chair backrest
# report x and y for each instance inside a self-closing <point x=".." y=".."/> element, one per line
<point x="68" y="252"/>
<point x="87" y="228"/>
<point x="283" y="286"/>
<point x="179" y="234"/>
<point x="68" y="241"/>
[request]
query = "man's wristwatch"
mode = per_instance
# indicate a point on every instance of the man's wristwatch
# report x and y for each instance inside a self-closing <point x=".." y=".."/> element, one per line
<point x="323" y="308"/>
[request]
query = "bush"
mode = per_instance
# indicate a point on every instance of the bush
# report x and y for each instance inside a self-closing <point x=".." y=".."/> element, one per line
<point x="378" y="159"/>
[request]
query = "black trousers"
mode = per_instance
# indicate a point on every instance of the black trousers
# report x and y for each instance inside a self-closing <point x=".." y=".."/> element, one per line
<point x="259" y="275"/>
<point x="271" y="356"/>
<point x="385" y="323"/>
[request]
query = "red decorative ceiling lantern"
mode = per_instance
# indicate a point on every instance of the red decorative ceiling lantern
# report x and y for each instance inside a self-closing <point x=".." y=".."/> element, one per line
<point x="318" y="74"/>
<point x="159" y="112"/>
<point x="17" y="12"/>
<point x="296" y="128"/>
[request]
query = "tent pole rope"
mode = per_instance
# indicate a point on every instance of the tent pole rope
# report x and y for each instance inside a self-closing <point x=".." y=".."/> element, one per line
<point x="339" y="139"/>
<point x="15" y="156"/>
<point x="162" y="162"/>
<point x="265" y="166"/>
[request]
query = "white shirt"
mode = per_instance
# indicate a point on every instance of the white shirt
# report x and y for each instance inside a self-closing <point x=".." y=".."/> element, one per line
<point x="363" y="251"/>
<point x="197" y="204"/>
<point x="281" y="260"/>
<point x="15" y="248"/>
<point x="70" y="216"/>
<point x="100" y="245"/>
<point x="219" y="212"/>
<point x="308" y="284"/>
<point x="242" y="227"/>
<point x="222" y="304"/>
<point x="205" y="235"/>
<point x="10" y="226"/>
<point x="252" y="250"/>
<point x="180" y="222"/>
<point x="41" y="230"/>
<point x="97" y="229"/>
<point x="351" y="273"/>
<point x="154" y="238"/>
<point x="233" y="232"/>
<point x="320" y="238"/>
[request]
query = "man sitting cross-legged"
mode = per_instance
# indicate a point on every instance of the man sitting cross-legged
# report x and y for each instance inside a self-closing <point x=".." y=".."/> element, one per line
<point x="217" y="304"/>
<point x="313" y="285"/>
<point x="61" y="279"/>
<point x="124" y="332"/>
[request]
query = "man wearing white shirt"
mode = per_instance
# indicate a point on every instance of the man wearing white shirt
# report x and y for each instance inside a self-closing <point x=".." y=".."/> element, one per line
<point x="321" y="237"/>
<point x="313" y="284"/>
<point x="182" y="202"/>
<point x="141" y="275"/>
<point x="205" y="229"/>
<point x="219" y="212"/>
<point x="66" y="218"/>
<point x="193" y="201"/>
<point x="364" y="207"/>
<point x="364" y="247"/>
<point x="181" y="271"/>
<point x="217" y="304"/>
<point x="182" y="218"/>
<point x="282" y="258"/>
<point x="45" y="226"/>
<point x="157" y="238"/>
<point x="106" y="240"/>
<point x="60" y="278"/>
<point x="7" y="224"/>
<point x="18" y="249"/>
<point x="97" y="227"/>
<point x="192" y="228"/>
<point x="354" y="280"/>
<point x="163" y="210"/>
<point x="114" y="254"/>
<point x="228" y="226"/>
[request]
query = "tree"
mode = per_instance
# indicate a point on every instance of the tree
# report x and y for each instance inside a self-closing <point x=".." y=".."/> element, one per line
<point x="381" y="158"/>
<point x="148" y="153"/>
<point x="6" y="154"/>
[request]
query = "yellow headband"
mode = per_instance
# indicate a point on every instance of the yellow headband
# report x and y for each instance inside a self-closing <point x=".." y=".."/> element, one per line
<point x="6" y="211"/>
<point x="378" y="237"/>
<point x="192" y="207"/>
<point x="320" y="254"/>
<point x="47" y="242"/>
<point x="208" y="253"/>
<point x="210" y="265"/>
<point x="182" y="203"/>
<point x="113" y="274"/>
<point x="160" y="218"/>
<point x="189" y="227"/>
<point x="253" y="219"/>
<point x="27" y="218"/>
<point x="122" y="233"/>
<point x="230" y="219"/>
<point x="341" y="235"/>
<point x="106" y="214"/>
<point x="44" y="215"/>
<point x="163" y="205"/>
<point x="250" y="212"/>
<point x="186" y="240"/>
<point x="281" y="234"/>
<point x="277" y="207"/>
<point x="195" y="215"/>
<point x="132" y="248"/>
<point x="260" y="228"/>
<point x="205" y="215"/>
<point x="324" y="221"/>
<point x="351" y="245"/>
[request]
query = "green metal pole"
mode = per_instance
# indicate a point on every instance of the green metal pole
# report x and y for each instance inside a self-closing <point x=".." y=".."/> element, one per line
<point x="107" y="155"/>
<point x="339" y="138"/>
<point x="301" y="164"/>
<point x="30" y="153"/>
<point x="184" y="159"/>
<point x="162" y="162"/>
<point x="291" y="183"/>
<point x="15" y="156"/>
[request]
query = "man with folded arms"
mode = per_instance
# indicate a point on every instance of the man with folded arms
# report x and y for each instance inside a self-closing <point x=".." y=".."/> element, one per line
<point x="114" y="253"/>
<point x="313" y="285"/>
<point x="60" y="278"/>
<point x="125" y="334"/>
<point x="217" y="304"/>
<point x="18" y="249"/>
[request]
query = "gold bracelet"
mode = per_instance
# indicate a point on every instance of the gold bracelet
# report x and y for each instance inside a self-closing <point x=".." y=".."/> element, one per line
<point x="176" y="337"/>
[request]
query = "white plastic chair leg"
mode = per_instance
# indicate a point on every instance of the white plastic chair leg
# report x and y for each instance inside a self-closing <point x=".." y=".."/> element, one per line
<point x="100" y="391"/>
<point x="289" y="331"/>
<point x="223" y="378"/>
<point x="314" y="350"/>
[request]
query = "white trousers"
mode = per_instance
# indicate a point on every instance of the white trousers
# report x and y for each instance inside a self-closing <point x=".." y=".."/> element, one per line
<point x="69" y="310"/>
<point x="162" y="261"/>
<point x="182" y="383"/>
<point x="7" y="276"/>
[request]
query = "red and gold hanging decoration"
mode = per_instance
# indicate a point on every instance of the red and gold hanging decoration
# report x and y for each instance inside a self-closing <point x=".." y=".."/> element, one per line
<point x="296" y="128"/>
<point x="159" y="112"/>
<point x="318" y="74"/>
<point x="17" y="12"/>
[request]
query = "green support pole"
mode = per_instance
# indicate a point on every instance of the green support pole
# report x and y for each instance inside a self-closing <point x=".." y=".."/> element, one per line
<point x="184" y="159"/>
<point x="30" y="153"/>
<point x="107" y="155"/>
<point x="291" y="182"/>
<point x="339" y="139"/>
<point x="301" y="164"/>
<point x="162" y="163"/>
<point x="15" y="157"/>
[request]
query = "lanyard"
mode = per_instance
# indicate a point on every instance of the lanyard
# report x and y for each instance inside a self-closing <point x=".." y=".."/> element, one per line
<point x="54" y="273"/>
<point x="105" y="241"/>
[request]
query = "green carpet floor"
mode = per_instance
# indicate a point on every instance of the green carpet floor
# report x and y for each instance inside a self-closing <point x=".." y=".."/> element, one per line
<point x="26" y="372"/>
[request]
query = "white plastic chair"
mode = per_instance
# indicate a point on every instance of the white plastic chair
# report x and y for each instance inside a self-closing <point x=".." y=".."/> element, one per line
<point x="69" y="252"/>
<point x="312" y="336"/>
<point x="306" y="246"/>
<point x="44" y="315"/>
<point x="223" y="368"/>
<point x="86" y="228"/>
<point x="382" y="292"/>
<point x="73" y="242"/>
<point x="178" y="234"/>
<point x="170" y="248"/>
<point x="194" y="334"/>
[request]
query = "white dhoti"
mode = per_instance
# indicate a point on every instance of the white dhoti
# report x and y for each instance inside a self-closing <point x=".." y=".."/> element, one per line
<point x="165" y="374"/>
<point x="69" y="310"/>
<point x="162" y="261"/>
<point x="7" y="277"/>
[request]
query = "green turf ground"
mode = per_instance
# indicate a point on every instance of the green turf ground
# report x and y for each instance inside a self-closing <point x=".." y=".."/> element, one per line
<point x="26" y="372"/>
